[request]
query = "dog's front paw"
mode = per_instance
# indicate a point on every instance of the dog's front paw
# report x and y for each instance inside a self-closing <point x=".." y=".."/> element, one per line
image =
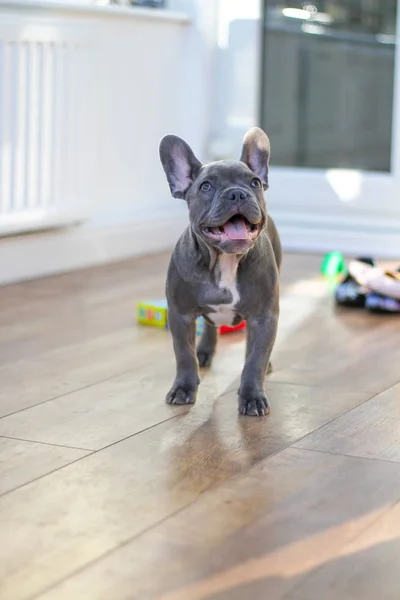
<point x="181" y="394"/>
<point x="253" y="404"/>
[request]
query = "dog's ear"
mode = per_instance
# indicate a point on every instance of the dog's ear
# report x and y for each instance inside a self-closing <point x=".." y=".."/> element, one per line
<point x="179" y="163"/>
<point x="255" y="153"/>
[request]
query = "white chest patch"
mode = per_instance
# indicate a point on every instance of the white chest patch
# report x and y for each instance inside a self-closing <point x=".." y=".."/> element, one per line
<point x="224" y="313"/>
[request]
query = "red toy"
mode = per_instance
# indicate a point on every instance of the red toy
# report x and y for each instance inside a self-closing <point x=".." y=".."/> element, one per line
<point x="229" y="329"/>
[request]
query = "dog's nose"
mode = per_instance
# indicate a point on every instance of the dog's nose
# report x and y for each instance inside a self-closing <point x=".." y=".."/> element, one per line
<point x="236" y="195"/>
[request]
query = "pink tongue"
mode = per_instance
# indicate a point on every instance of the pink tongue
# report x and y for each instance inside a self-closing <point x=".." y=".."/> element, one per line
<point x="236" y="229"/>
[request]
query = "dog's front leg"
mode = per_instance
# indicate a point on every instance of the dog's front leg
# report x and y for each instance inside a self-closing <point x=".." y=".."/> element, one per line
<point x="184" y="388"/>
<point x="261" y="333"/>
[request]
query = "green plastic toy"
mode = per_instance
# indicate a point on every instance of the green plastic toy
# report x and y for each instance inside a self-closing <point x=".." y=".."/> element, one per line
<point x="332" y="264"/>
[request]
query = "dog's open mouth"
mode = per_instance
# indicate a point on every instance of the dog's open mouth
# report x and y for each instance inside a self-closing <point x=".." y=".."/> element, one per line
<point x="236" y="228"/>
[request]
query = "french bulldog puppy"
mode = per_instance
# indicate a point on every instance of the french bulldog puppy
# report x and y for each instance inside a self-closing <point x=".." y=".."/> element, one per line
<point x="225" y="266"/>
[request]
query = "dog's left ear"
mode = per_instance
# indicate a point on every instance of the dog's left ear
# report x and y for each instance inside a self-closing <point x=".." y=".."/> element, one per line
<point x="255" y="153"/>
<point x="180" y="164"/>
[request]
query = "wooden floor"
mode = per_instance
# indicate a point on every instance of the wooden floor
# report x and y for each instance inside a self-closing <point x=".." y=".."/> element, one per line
<point x="107" y="493"/>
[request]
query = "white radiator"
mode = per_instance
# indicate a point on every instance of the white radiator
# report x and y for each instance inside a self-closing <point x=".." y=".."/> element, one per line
<point x="45" y="164"/>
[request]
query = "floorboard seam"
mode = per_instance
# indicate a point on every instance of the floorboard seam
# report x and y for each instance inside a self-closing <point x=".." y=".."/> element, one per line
<point x="18" y="439"/>
<point x="89" y="453"/>
<point x="339" y="389"/>
<point x="346" y="412"/>
<point x="78" y="389"/>
<point x="369" y="458"/>
<point x="72" y="462"/>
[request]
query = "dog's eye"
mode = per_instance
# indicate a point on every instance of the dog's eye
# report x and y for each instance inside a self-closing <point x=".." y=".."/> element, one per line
<point x="256" y="183"/>
<point x="205" y="186"/>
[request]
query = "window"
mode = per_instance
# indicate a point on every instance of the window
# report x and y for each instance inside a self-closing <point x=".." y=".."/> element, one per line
<point x="328" y="75"/>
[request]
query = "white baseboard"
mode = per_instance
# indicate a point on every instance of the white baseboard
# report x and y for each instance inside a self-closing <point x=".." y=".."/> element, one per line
<point x="47" y="253"/>
<point x="369" y="238"/>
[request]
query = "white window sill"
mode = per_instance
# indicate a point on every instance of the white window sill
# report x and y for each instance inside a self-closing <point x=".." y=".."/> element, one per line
<point x="133" y="12"/>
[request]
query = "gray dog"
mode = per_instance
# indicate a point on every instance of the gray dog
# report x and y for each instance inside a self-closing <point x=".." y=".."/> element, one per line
<point x="225" y="265"/>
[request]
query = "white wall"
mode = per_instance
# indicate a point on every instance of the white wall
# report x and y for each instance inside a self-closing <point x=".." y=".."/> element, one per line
<point x="152" y="80"/>
<point x="149" y="76"/>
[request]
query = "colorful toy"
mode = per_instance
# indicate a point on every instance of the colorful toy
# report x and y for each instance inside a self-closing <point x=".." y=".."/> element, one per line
<point x="349" y="292"/>
<point x="199" y="326"/>
<point x="382" y="304"/>
<point x="385" y="283"/>
<point x="154" y="313"/>
<point x="333" y="263"/>
<point x="367" y="286"/>
<point x="230" y="328"/>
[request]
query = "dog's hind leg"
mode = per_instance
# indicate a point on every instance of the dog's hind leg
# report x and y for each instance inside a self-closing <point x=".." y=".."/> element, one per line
<point x="207" y="345"/>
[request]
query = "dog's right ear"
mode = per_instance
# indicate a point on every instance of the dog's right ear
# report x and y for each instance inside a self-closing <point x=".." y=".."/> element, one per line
<point x="179" y="163"/>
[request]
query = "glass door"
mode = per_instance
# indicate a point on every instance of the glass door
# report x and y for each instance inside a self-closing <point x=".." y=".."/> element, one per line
<point x="329" y="83"/>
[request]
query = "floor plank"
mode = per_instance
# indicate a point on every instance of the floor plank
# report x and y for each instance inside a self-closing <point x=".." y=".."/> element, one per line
<point x="371" y="430"/>
<point x="245" y="539"/>
<point x="37" y="379"/>
<point x="46" y="314"/>
<point x="22" y="461"/>
<point x="366" y="567"/>
<point x="355" y="359"/>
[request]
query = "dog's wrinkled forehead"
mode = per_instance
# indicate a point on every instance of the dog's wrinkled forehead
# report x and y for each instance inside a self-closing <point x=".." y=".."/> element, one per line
<point x="226" y="173"/>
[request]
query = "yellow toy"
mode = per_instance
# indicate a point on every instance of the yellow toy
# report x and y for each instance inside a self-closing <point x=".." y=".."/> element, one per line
<point x="153" y="313"/>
